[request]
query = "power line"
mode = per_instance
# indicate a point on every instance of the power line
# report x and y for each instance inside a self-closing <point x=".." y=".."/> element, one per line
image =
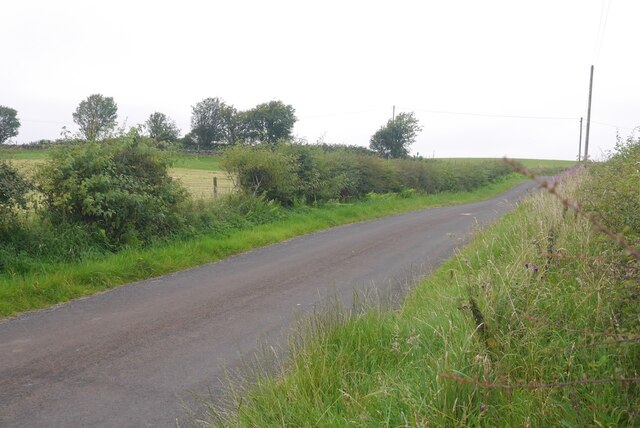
<point x="347" y="113"/>
<point x="615" y="126"/>
<point x="504" y="116"/>
<point x="602" y="25"/>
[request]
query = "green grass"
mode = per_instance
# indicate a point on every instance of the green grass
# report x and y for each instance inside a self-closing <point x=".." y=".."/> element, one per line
<point x="543" y="163"/>
<point x="23" y="154"/>
<point x="200" y="162"/>
<point x="211" y="162"/>
<point x="485" y="341"/>
<point x="538" y="166"/>
<point x="55" y="283"/>
<point x="180" y="160"/>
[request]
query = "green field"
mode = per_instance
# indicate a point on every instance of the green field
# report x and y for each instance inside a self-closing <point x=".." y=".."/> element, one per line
<point x="211" y="163"/>
<point x="533" y="164"/>
<point x="23" y="154"/>
<point x="200" y="162"/>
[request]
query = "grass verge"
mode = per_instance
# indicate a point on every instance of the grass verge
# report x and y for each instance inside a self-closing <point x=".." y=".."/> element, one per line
<point x="530" y="325"/>
<point x="52" y="283"/>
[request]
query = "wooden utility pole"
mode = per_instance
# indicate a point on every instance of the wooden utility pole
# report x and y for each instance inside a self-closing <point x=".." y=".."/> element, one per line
<point x="586" y="137"/>
<point x="580" y="142"/>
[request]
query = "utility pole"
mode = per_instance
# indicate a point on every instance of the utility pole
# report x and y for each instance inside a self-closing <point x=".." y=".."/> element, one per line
<point x="393" y="115"/>
<point x="580" y="141"/>
<point x="586" y="138"/>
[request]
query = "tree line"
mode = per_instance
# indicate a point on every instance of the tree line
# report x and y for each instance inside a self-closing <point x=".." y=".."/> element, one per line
<point x="216" y="124"/>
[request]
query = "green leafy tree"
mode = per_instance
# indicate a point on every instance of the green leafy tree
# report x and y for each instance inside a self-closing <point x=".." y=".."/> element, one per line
<point x="269" y="122"/>
<point x="213" y="123"/>
<point x="162" y="128"/>
<point x="9" y="123"/>
<point x="96" y="116"/>
<point x="393" y="139"/>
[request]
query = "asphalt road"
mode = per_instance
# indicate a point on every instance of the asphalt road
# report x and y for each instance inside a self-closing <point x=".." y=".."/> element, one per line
<point x="129" y="356"/>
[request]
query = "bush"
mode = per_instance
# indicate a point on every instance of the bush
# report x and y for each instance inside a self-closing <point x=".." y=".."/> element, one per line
<point x="294" y="172"/>
<point x="613" y="189"/>
<point x="263" y="171"/>
<point x="120" y="188"/>
<point x="13" y="189"/>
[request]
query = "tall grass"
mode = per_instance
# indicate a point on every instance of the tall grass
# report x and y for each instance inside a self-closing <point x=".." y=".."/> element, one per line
<point x="531" y="325"/>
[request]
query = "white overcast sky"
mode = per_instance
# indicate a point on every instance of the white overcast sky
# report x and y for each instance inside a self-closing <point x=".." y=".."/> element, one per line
<point x="341" y="64"/>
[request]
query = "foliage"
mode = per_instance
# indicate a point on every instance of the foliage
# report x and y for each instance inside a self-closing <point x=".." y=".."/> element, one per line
<point x="9" y="123"/>
<point x="13" y="189"/>
<point x="269" y="122"/>
<point x="162" y="128"/>
<point x="613" y="189"/>
<point x="120" y="188"/>
<point x="393" y="139"/>
<point x="296" y="172"/>
<point x="262" y="171"/>
<point x="214" y="123"/>
<point x="96" y="116"/>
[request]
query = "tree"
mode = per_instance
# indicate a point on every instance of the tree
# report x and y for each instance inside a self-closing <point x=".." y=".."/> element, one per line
<point x="393" y="139"/>
<point x="269" y="122"/>
<point x="9" y="123"/>
<point x="96" y="116"/>
<point x="162" y="128"/>
<point x="213" y="122"/>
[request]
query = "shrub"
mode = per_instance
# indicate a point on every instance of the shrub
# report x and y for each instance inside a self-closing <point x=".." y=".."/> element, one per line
<point x="263" y="171"/>
<point x="613" y="189"/>
<point x="120" y="188"/>
<point x="13" y="189"/>
<point x="294" y="172"/>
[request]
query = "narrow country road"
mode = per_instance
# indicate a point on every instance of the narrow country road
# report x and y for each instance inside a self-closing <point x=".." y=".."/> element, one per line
<point x="128" y="357"/>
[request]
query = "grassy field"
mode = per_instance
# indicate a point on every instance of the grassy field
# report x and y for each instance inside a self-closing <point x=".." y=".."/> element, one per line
<point x="23" y="154"/>
<point x="54" y="283"/>
<point x="199" y="162"/>
<point x="529" y="326"/>
<point x="199" y="182"/>
<point x="211" y="163"/>
<point x="533" y="164"/>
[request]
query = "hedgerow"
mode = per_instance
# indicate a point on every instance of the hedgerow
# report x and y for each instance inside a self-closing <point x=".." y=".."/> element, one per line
<point x="292" y="172"/>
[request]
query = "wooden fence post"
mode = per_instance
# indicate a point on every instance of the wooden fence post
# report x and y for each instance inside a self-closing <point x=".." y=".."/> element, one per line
<point x="215" y="187"/>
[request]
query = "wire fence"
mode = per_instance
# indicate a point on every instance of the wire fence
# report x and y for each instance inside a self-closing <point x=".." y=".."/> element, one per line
<point x="204" y="184"/>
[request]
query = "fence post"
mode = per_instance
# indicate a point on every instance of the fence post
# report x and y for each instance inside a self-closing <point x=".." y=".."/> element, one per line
<point x="215" y="187"/>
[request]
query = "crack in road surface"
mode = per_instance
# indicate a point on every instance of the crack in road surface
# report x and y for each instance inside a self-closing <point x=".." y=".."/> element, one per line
<point x="127" y="357"/>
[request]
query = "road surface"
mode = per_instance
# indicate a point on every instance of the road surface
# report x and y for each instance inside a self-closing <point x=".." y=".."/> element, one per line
<point x="128" y="357"/>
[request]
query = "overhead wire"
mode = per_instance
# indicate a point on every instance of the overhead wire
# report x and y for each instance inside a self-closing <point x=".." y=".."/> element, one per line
<point x="505" y="116"/>
<point x="600" y="33"/>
